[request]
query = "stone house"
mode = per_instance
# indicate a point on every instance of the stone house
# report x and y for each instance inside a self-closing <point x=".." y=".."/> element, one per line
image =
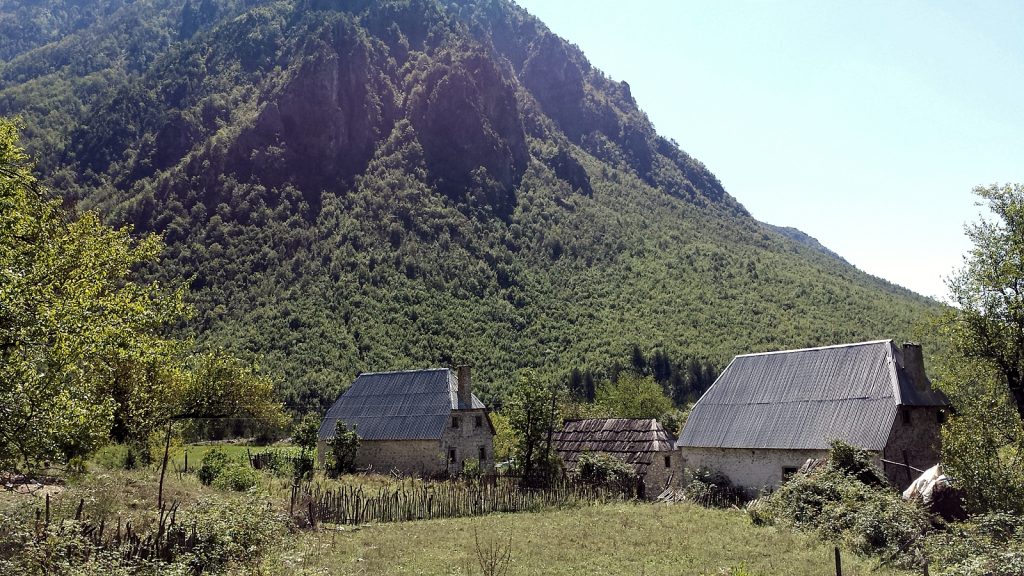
<point x="766" y="414"/>
<point x="642" y="443"/>
<point x="414" y="422"/>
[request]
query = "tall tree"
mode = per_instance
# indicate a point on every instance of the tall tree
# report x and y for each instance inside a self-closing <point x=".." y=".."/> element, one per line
<point x="86" y="352"/>
<point x="633" y="396"/>
<point x="75" y="329"/>
<point x="987" y="323"/>
<point x="532" y="412"/>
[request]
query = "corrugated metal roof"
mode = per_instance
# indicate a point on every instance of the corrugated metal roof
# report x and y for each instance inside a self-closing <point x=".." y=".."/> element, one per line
<point x="630" y="439"/>
<point x="405" y="405"/>
<point x="804" y="399"/>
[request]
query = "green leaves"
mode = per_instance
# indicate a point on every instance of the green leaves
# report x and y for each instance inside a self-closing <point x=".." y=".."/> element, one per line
<point x="633" y="396"/>
<point x="85" y="350"/>
<point x="75" y="326"/>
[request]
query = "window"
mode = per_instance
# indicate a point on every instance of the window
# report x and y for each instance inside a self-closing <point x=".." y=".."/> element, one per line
<point x="451" y="455"/>
<point x="479" y="422"/>
<point x="668" y="461"/>
<point x="788" y="471"/>
<point x="906" y="416"/>
<point x="483" y="453"/>
<point x="940" y="416"/>
<point x="455" y="421"/>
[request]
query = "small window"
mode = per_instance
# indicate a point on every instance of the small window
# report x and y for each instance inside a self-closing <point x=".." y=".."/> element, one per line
<point x="479" y="422"/>
<point x="940" y="416"/>
<point x="483" y="453"/>
<point x="788" y="471"/>
<point x="668" y="461"/>
<point x="906" y="416"/>
<point x="451" y="455"/>
<point x="455" y="421"/>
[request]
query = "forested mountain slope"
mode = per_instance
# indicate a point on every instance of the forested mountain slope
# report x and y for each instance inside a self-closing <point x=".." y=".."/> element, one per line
<point x="408" y="183"/>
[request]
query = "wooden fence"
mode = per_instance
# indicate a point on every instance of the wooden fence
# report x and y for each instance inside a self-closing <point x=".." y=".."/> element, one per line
<point x="166" y="541"/>
<point x="446" y="499"/>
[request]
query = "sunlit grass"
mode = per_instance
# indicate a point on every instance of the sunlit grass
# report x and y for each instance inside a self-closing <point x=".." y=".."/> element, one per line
<point x="611" y="539"/>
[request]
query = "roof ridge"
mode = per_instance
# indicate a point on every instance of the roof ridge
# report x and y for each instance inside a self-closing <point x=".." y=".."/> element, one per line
<point x="408" y="371"/>
<point x="849" y="345"/>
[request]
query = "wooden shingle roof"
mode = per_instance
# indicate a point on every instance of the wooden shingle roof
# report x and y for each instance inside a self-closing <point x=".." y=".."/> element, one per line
<point x="632" y="440"/>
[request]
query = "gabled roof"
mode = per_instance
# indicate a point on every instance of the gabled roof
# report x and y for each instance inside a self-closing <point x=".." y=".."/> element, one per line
<point x="632" y="440"/>
<point x="804" y="399"/>
<point x="406" y="405"/>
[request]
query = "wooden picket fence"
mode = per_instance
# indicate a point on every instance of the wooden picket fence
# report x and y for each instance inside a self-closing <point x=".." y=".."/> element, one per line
<point x="166" y="541"/>
<point x="444" y="499"/>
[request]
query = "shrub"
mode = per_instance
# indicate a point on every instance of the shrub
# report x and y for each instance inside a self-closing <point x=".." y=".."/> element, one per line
<point x="302" y="466"/>
<point x="988" y="545"/>
<point x="344" y="445"/>
<point x="236" y="476"/>
<point x="213" y="463"/>
<point x="229" y="532"/>
<point x="713" y="489"/>
<point x="843" y="502"/>
<point x="235" y="531"/>
<point x="604" y="471"/>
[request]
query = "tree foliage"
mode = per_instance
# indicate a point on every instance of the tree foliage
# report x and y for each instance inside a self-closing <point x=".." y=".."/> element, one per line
<point x="87" y="353"/>
<point x="79" y="337"/>
<point x="344" y="445"/>
<point x="987" y="323"/>
<point x="633" y="396"/>
<point x="533" y="414"/>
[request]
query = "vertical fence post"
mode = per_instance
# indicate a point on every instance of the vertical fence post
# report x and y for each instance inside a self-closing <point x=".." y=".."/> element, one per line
<point x="839" y="563"/>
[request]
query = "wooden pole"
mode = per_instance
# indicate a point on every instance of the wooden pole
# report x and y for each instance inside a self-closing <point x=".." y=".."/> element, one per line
<point x="163" y="466"/>
<point x="839" y="563"/>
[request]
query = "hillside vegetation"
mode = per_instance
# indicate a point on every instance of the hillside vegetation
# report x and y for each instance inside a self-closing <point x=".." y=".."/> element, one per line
<point x="408" y="183"/>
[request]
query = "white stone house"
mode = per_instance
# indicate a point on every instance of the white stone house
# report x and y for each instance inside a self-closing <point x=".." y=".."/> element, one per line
<point x="413" y="422"/>
<point x="766" y="414"/>
<point x="640" y="442"/>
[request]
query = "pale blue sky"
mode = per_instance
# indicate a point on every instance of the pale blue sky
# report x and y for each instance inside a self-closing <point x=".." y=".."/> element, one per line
<point x="865" y="124"/>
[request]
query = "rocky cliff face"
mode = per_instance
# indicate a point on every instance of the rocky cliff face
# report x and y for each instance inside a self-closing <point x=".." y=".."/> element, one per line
<point x="382" y="184"/>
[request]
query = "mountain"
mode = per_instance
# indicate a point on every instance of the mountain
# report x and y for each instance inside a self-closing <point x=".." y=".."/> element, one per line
<point x="370" y="185"/>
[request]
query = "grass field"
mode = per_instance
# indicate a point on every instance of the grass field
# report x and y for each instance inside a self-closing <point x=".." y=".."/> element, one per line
<point x="648" y="539"/>
<point x="625" y="538"/>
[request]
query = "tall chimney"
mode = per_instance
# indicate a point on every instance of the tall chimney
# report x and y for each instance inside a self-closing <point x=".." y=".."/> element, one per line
<point x="913" y="364"/>
<point x="465" y="389"/>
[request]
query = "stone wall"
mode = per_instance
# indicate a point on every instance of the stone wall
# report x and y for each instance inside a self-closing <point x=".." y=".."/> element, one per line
<point x="662" y="473"/>
<point x="753" y="469"/>
<point x="916" y="434"/>
<point x="406" y="457"/>
<point x="471" y="439"/>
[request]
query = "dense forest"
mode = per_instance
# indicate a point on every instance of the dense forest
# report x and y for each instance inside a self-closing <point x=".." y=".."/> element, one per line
<point x="372" y="185"/>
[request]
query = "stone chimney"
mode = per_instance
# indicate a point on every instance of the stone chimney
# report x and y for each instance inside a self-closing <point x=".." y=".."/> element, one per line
<point x="465" y="388"/>
<point x="913" y="365"/>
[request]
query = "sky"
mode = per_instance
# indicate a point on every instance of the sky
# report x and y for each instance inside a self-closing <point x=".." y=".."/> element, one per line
<point x="865" y="124"/>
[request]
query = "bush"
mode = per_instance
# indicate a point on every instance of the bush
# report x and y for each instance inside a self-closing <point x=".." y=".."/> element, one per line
<point x="236" y="531"/>
<point x="988" y="545"/>
<point x="236" y="476"/>
<point x="843" y="502"/>
<point x="604" y="471"/>
<point x="229" y="532"/>
<point x="213" y="464"/>
<point x="302" y="466"/>
<point x="344" y="445"/>
<point x="713" y="489"/>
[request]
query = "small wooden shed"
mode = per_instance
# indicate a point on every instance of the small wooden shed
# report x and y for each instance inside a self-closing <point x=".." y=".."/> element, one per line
<point x="640" y="442"/>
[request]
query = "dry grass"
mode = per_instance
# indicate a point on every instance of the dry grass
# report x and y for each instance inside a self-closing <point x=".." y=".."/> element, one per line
<point x="612" y="539"/>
